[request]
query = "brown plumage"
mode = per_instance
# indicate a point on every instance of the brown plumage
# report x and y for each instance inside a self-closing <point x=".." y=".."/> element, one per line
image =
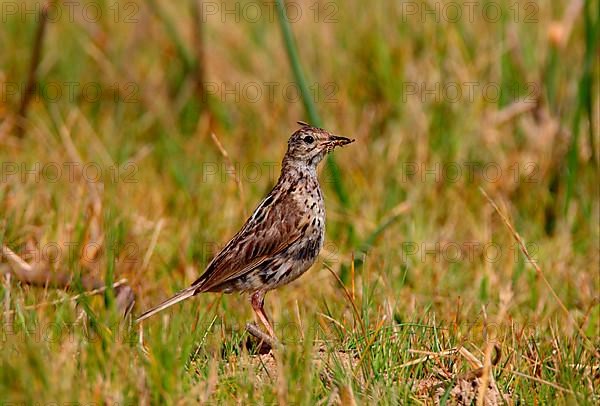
<point x="282" y="238"/>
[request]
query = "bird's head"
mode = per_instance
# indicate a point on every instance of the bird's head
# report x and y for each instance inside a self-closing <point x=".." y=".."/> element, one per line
<point x="309" y="145"/>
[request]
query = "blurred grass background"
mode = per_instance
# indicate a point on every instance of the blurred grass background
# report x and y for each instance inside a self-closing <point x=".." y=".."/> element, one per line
<point x="132" y="91"/>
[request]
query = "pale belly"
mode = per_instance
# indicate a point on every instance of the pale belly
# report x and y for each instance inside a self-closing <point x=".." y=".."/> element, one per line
<point x="285" y="267"/>
<point x="295" y="260"/>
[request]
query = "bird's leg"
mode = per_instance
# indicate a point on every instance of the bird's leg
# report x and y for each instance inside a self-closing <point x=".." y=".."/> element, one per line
<point x="258" y="300"/>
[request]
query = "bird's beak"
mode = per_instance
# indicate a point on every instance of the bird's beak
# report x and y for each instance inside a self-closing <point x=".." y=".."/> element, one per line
<point x="337" y="141"/>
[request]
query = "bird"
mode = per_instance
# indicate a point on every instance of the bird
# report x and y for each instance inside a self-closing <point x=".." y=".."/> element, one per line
<point x="282" y="238"/>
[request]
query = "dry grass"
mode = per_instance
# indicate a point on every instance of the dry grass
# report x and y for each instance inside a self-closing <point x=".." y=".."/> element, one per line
<point x="421" y="284"/>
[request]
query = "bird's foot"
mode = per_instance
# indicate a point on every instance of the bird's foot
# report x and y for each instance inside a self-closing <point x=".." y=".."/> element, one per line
<point x="265" y="343"/>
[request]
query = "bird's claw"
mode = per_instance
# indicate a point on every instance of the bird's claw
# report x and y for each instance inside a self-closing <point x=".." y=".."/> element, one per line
<point x="265" y="342"/>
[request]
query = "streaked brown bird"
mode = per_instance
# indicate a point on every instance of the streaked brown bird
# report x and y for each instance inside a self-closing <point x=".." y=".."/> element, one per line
<point x="282" y="238"/>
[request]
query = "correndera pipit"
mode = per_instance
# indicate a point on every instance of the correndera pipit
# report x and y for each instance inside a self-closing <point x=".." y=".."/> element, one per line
<point x="282" y="238"/>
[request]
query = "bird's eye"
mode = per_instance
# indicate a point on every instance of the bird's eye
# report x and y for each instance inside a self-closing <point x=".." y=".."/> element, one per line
<point x="309" y="139"/>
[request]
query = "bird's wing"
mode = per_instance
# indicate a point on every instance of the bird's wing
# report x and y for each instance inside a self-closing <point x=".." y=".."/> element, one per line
<point x="276" y="224"/>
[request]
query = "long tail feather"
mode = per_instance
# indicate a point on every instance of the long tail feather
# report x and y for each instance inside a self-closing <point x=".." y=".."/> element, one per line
<point x="184" y="294"/>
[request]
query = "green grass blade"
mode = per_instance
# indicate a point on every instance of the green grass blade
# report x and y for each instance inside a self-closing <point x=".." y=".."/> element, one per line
<point x="309" y="106"/>
<point x="584" y="98"/>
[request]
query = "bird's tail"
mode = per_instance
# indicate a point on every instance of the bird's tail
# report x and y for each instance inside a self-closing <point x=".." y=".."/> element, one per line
<point x="184" y="294"/>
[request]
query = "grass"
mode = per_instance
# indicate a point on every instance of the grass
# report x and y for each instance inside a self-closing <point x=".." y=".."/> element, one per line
<point x="421" y="284"/>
